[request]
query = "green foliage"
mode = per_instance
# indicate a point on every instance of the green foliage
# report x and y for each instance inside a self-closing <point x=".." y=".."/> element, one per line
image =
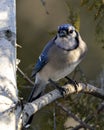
<point x="98" y="7"/>
<point x="73" y="17"/>
<point x="94" y="4"/>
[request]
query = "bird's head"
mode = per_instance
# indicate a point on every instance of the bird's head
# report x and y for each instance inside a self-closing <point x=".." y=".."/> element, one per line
<point x="67" y="37"/>
<point x="66" y="30"/>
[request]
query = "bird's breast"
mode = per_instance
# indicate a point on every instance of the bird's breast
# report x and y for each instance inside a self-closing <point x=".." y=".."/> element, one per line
<point x="58" y="68"/>
<point x="61" y="63"/>
<point x="61" y="73"/>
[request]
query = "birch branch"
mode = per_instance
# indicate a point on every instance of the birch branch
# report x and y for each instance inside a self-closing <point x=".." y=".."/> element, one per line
<point x="33" y="107"/>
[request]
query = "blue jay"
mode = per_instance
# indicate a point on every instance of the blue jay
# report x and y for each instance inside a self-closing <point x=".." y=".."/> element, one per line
<point x="59" y="58"/>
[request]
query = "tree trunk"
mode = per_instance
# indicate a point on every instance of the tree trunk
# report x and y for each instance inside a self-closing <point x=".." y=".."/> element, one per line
<point x="8" y="87"/>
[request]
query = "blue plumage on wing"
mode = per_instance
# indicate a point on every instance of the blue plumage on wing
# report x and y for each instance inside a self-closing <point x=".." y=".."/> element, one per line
<point x="43" y="58"/>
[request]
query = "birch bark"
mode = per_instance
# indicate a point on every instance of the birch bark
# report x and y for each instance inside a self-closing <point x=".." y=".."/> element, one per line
<point x="8" y="87"/>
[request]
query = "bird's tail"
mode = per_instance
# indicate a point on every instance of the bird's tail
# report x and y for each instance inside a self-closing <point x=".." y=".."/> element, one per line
<point x="35" y="94"/>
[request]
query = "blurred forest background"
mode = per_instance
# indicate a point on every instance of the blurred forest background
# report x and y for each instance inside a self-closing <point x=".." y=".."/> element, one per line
<point x="37" y="22"/>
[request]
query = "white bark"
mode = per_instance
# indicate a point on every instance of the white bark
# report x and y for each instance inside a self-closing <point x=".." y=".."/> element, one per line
<point x="33" y="107"/>
<point x="8" y="87"/>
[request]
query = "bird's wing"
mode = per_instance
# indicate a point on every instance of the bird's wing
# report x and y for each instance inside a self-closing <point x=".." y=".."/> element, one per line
<point x="43" y="58"/>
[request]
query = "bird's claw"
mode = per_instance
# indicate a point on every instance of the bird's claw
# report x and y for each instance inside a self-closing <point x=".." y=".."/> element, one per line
<point x="62" y="90"/>
<point x="74" y="83"/>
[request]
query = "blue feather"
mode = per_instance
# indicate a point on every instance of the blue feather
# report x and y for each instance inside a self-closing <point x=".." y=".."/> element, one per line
<point x="64" y="26"/>
<point x="43" y="58"/>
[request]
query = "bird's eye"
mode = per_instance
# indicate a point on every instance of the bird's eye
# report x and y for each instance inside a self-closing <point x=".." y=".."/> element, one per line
<point x="71" y="31"/>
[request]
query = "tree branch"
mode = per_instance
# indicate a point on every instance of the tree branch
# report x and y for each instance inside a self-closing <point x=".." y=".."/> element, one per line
<point x="82" y="123"/>
<point x="25" y="76"/>
<point x="90" y="117"/>
<point x="31" y="108"/>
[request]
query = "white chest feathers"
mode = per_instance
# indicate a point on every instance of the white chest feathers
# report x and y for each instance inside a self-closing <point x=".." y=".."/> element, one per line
<point x="59" y="74"/>
<point x="67" y="43"/>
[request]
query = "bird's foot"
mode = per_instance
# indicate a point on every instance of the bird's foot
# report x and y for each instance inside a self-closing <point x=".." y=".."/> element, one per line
<point x="61" y="89"/>
<point x="74" y="83"/>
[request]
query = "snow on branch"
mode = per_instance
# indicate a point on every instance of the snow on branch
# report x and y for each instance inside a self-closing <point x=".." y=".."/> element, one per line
<point x="33" y="107"/>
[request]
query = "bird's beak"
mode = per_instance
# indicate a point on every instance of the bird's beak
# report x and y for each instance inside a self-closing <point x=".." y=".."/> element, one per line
<point x="62" y="33"/>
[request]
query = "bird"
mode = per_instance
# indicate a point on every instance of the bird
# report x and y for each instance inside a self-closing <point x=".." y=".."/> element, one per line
<point x="59" y="58"/>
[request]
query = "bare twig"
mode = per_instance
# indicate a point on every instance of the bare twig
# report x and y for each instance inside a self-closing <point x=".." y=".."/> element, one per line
<point x="17" y="45"/>
<point x="54" y="118"/>
<point x="90" y="117"/>
<point x="78" y="127"/>
<point x="25" y="76"/>
<point x="74" y="117"/>
<point x="100" y="108"/>
<point x="44" y="5"/>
